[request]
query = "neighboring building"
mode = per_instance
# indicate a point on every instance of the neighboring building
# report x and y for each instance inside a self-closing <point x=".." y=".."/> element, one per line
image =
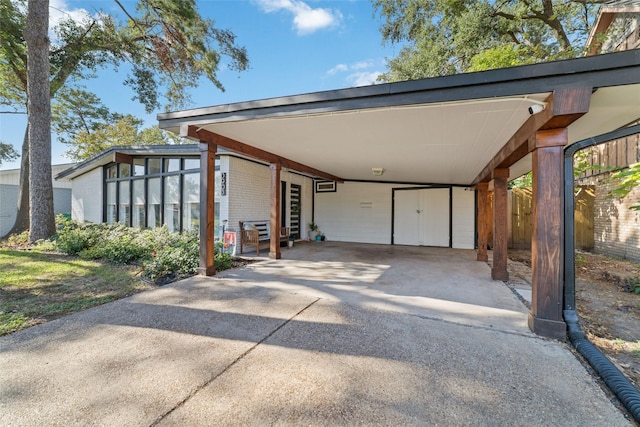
<point x="616" y="226"/>
<point x="9" y="185"/>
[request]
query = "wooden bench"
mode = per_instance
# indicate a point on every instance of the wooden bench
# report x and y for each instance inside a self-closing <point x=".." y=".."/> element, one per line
<point x="252" y="233"/>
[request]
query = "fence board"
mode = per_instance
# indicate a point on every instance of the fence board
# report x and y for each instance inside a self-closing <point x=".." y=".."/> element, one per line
<point x="521" y="220"/>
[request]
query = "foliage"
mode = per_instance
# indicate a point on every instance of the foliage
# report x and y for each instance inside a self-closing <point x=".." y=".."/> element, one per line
<point x="627" y="180"/>
<point x="313" y="226"/>
<point x="160" y="252"/>
<point x="7" y="153"/>
<point x="445" y="37"/>
<point x="181" y="255"/>
<point x="125" y="131"/>
<point x="167" y="45"/>
<point x="524" y="181"/>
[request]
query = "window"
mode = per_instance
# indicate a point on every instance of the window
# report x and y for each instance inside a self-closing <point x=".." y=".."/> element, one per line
<point x="123" y="198"/>
<point x="154" y="166"/>
<point x="155" y="214"/>
<point x="138" y="167"/>
<point x="111" y="202"/>
<point x="168" y="193"/>
<point x="138" y="219"/>
<point x="125" y="170"/>
<point x="171" y="165"/>
<point x="191" y="201"/>
<point x="172" y="202"/>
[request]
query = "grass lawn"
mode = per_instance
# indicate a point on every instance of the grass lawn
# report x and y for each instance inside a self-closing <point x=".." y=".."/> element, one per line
<point x="38" y="286"/>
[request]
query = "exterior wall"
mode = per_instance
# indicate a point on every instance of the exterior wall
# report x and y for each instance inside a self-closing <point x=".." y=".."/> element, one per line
<point x="248" y="185"/>
<point x="8" y="207"/>
<point x="616" y="227"/>
<point x="9" y="182"/>
<point x="356" y="212"/>
<point x="87" y="198"/>
<point x="362" y="213"/>
<point x="249" y="193"/>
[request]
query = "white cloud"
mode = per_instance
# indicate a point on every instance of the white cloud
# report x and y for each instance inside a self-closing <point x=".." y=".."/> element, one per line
<point x="364" y="78"/>
<point x="363" y="73"/>
<point x="362" y="65"/>
<point x="306" y="20"/>
<point x="338" y="68"/>
<point x="59" y="10"/>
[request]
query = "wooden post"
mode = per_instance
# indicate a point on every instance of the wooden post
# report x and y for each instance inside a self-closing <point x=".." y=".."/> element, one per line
<point x="483" y="233"/>
<point x="545" y="317"/>
<point x="499" y="269"/>
<point x="274" y="244"/>
<point x="207" y="198"/>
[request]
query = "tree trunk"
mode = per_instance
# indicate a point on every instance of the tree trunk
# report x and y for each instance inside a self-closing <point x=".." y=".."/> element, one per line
<point x="41" y="214"/>
<point x="22" y="218"/>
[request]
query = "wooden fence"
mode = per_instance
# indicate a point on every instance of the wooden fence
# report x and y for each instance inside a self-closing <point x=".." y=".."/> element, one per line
<point x="521" y="224"/>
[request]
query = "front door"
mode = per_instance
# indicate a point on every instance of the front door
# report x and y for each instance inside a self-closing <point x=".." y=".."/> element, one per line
<point x="421" y="217"/>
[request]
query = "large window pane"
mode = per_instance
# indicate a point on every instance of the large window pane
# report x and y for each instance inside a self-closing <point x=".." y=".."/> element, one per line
<point x="124" y="212"/>
<point x="155" y="219"/>
<point x="191" y="201"/>
<point x="172" y="202"/>
<point x="111" y="202"/>
<point x="138" y="203"/>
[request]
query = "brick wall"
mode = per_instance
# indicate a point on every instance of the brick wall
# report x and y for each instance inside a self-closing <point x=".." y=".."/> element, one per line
<point x="616" y="227"/>
<point x="249" y="192"/>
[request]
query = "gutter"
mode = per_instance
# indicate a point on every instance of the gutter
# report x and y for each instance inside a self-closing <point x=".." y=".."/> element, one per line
<point x="626" y="392"/>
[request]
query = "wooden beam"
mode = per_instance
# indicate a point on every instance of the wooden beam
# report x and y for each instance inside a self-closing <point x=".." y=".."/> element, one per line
<point x="207" y="211"/>
<point x="257" y="153"/>
<point x="274" y="243"/>
<point x="563" y="107"/>
<point x="499" y="268"/>
<point x="545" y="317"/>
<point x="122" y="158"/>
<point x="483" y="212"/>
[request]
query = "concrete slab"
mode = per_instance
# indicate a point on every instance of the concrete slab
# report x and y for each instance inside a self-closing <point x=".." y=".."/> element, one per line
<point x="333" y="334"/>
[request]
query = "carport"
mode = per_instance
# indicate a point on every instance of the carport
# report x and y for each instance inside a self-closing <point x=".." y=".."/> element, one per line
<point x="475" y="130"/>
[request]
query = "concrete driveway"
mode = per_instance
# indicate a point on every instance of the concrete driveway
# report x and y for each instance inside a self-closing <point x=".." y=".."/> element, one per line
<point x="334" y="334"/>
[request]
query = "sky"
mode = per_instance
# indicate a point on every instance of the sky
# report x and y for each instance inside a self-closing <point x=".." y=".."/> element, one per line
<point x="294" y="47"/>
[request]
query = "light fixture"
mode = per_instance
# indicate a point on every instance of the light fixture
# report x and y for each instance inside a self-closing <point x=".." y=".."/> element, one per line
<point x="536" y="108"/>
<point x="377" y="171"/>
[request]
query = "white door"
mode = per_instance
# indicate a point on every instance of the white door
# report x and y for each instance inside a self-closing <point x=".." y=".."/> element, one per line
<point x="421" y="217"/>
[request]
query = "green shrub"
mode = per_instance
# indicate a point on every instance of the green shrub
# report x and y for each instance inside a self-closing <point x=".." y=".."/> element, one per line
<point x="180" y="256"/>
<point x="161" y="253"/>
<point x="119" y="245"/>
<point x="223" y="261"/>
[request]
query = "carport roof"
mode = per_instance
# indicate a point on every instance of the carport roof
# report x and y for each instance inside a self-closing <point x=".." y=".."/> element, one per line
<point x="438" y="130"/>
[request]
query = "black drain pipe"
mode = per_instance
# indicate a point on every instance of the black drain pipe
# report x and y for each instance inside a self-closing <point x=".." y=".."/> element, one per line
<point x="628" y="394"/>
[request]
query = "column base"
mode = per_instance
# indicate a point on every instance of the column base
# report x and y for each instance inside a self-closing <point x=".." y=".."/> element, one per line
<point x="207" y="271"/>
<point x="499" y="275"/>
<point x="547" y="328"/>
<point x="275" y="255"/>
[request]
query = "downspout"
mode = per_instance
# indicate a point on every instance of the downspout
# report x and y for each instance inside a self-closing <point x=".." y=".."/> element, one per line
<point x="628" y="394"/>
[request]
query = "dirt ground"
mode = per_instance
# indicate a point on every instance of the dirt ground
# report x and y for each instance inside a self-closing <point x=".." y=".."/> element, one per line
<point x="607" y="305"/>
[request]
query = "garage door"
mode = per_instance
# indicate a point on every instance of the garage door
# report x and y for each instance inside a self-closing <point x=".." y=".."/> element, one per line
<point x="421" y="217"/>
